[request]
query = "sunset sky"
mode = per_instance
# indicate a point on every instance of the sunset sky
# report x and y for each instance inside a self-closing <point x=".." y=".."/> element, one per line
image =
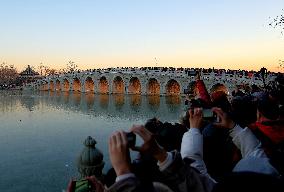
<point x="109" y="33"/>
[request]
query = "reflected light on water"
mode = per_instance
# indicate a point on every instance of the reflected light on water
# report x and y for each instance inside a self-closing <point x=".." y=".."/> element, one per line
<point x="43" y="132"/>
<point x="90" y="99"/>
<point x="104" y="99"/>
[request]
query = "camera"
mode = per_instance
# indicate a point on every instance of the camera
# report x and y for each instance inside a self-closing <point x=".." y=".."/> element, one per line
<point x="131" y="139"/>
<point x="81" y="185"/>
<point x="208" y="114"/>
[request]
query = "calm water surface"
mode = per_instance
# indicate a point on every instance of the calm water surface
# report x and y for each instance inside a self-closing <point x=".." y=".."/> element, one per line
<point x="41" y="134"/>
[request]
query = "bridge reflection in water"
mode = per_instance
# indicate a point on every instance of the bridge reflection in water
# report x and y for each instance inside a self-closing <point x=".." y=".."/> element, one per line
<point x="115" y="105"/>
<point x="42" y="132"/>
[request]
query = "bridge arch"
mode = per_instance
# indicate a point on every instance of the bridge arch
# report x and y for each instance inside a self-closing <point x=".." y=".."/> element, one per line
<point x="89" y="85"/>
<point x="66" y="85"/>
<point x="134" y="86"/>
<point x="118" y="85"/>
<point x="153" y="87"/>
<point x="76" y="84"/>
<point x="173" y="87"/>
<point x="158" y="84"/>
<point x="103" y="85"/>
<point x="57" y="85"/>
<point x="51" y="85"/>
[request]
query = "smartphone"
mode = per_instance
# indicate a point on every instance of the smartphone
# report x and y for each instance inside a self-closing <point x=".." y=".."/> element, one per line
<point x="207" y="113"/>
<point x="131" y="139"/>
<point x="80" y="186"/>
<point x="210" y="115"/>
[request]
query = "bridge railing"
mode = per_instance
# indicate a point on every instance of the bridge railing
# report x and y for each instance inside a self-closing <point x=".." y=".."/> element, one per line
<point x="239" y="77"/>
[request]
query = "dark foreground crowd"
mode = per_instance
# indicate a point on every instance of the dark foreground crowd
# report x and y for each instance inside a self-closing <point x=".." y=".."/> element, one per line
<point x="240" y="148"/>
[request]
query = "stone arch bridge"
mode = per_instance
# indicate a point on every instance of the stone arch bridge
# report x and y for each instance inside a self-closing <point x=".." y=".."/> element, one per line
<point x="138" y="82"/>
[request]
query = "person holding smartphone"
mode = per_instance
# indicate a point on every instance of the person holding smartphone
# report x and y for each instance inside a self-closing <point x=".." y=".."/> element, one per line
<point x="186" y="171"/>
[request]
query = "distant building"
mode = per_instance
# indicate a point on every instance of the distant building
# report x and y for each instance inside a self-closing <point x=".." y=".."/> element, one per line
<point x="27" y="76"/>
<point x="29" y="72"/>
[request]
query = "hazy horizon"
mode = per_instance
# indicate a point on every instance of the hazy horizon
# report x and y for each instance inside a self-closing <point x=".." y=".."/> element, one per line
<point x="181" y="33"/>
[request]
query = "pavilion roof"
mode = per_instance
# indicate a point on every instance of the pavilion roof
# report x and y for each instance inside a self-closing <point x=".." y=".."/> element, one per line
<point x="29" y="72"/>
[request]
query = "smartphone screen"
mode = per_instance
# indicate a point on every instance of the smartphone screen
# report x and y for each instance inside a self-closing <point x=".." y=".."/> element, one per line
<point x="207" y="113"/>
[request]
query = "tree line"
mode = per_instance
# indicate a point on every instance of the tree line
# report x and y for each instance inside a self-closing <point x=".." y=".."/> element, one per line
<point x="10" y="76"/>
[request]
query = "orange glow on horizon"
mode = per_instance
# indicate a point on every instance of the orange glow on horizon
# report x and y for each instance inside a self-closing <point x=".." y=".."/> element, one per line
<point x="218" y="63"/>
<point x="247" y="55"/>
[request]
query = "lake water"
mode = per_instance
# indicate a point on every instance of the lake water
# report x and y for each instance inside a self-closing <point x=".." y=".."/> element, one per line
<point x="41" y="134"/>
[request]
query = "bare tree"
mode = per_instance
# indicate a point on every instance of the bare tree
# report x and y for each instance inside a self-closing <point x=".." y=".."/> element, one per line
<point x="281" y="64"/>
<point x="50" y="71"/>
<point x="46" y="70"/>
<point x="8" y="74"/>
<point x="71" y="66"/>
<point x="62" y="71"/>
<point x="278" y="22"/>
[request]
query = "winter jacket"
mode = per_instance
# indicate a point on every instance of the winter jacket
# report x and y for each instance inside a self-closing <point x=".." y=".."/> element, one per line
<point x="180" y="176"/>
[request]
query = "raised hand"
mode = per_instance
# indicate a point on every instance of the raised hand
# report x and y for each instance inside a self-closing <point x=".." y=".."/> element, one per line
<point x="150" y="145"/>
<point x="119" y="153"/>
<point x="225" y="120"/>
<point x="195" y="118"/>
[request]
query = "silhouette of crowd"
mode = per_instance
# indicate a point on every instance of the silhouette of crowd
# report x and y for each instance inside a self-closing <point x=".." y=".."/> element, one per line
<point x="221" y="143"/>
<point x="188" y="71"/>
